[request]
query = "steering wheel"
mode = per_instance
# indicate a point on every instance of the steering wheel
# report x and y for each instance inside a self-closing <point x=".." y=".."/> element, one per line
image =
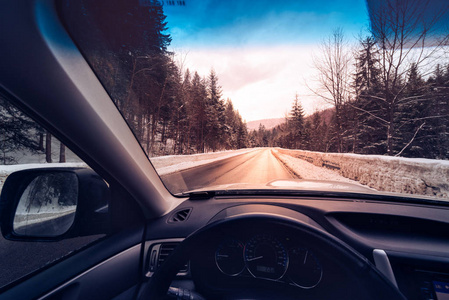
<point x="366" y="281"/>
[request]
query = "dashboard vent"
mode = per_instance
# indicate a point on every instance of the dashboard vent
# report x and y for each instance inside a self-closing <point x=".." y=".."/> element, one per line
<point x="180" y="215"/>
<point x="165" y="250"/>
<point x="159" y="253"/>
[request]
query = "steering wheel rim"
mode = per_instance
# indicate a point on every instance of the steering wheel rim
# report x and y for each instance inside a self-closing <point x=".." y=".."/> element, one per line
<point x="376" y="283"/>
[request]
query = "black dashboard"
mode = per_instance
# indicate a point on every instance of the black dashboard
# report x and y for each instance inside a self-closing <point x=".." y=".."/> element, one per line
<point x="277" y="260"/>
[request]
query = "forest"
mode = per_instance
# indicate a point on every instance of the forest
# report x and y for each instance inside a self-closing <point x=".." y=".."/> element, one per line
<point x="388" y="94"/>
<point x="171" y="109"/>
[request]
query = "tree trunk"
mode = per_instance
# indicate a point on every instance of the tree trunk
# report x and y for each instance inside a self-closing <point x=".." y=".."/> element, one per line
<point x="62" y="153"/>
<point x="41" y="141"/>
<point x="48" y="147"/>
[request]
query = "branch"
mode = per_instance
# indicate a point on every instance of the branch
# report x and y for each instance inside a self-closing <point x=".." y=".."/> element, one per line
<point x="371" y="114"/>
<point x="412" y="139"/>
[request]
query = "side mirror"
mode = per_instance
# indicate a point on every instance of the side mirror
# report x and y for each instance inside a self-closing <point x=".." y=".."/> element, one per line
<point x="54" y="203"/>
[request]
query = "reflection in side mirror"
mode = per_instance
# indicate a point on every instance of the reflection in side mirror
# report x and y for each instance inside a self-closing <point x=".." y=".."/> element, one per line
<point x="47" y="206"/>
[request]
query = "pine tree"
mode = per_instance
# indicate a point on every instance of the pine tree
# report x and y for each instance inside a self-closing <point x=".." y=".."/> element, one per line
<point x="198" y="106"/>
<point x="369" y="115"/>
<point x="436" y="130"/>
<point x="411" y="115"/>
<point x="215" y="113"/>
<point x="296" y="123"/>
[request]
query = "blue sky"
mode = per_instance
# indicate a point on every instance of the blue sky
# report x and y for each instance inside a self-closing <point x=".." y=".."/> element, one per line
<point x="212" y="23"/>
<point x="260" y="49"/>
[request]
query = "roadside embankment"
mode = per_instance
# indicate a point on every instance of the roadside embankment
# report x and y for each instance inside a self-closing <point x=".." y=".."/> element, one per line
<point x="384" y="173"/>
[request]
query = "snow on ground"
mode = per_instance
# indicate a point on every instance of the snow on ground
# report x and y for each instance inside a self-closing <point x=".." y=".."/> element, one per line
<point x="173" y="163"/>
<point x="163" y="164"/>
<point x="23" y="218"/>
<point x="384" y="173"/>
<point x="306" y="170"/>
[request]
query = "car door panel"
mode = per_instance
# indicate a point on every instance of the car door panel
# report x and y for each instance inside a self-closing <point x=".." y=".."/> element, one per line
<point x="109" y="268"/>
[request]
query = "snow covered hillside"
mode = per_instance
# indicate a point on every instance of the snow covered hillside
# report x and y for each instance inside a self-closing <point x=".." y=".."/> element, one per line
<point x="383" y="173"/>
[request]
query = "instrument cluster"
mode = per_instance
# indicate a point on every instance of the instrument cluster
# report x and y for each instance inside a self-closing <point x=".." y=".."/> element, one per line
<point x="267" y="256"/>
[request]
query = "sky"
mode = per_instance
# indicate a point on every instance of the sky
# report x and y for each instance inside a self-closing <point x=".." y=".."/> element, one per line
<point x="261" y="50"/>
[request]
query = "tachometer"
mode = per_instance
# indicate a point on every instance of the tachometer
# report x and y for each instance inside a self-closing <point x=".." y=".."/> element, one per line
<point x="304" y="268"/>
<point x="229" y="257"/>
<point x="266" y="257"/>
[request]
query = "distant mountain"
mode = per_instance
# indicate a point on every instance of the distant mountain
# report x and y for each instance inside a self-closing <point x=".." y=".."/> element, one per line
<point x="268" y="123"/>
<point x="326" y="115"/>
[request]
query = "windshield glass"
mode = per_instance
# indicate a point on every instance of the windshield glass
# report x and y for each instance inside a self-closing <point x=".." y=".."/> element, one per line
<point x="309" y="95"/>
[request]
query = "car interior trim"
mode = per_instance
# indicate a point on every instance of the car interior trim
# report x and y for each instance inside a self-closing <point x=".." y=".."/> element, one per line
<point x="383" y="265"/>
<point x="74" y="286"/>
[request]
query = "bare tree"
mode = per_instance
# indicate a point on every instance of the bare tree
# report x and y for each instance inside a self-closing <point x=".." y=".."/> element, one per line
<point x="407" y="35"/>
<point x="333" y="64"/>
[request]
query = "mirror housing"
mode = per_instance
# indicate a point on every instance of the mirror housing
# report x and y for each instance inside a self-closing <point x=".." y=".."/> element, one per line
<point x="51" y="204"/>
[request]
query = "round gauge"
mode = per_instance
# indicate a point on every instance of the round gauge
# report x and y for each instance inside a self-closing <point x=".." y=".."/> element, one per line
<point x="229" y="257"/>
<point x="266" y="257"/>
<point x="304" y="268"/>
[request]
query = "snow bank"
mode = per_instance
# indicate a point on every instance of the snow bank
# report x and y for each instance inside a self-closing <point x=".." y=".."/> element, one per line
<point x="23" y="219"/>
<point x="306" y="170"/>
<point x="173" y="163"/>
<point x="384" y="173"/>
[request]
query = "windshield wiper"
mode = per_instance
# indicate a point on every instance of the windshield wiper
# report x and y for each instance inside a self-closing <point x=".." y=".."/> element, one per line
<point x="205" y="195"/>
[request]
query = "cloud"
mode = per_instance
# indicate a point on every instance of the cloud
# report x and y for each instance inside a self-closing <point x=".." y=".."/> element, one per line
<point x="260" y="81"/>
<point x="261" y="50"/>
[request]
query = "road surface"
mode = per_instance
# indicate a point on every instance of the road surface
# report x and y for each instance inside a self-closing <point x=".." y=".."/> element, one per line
<point x="255" y="167"/>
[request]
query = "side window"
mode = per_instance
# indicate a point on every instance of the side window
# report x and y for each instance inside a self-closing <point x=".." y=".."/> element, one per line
<point x="25" y="145"/>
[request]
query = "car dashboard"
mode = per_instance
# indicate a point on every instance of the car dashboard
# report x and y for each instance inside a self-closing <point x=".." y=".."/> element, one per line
<point x="407" y="242"/>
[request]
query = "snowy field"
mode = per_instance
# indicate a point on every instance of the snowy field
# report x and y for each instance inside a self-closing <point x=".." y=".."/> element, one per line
<point x="173" y="163"/>
<point x="383" y="173"/>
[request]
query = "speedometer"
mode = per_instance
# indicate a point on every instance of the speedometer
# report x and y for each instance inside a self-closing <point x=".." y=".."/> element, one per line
<point x="266" y="257"/>
<point x="305" y="269"/>
<point x="229" y="257"/>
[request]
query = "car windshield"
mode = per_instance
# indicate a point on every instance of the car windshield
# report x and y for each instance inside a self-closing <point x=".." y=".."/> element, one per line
<point x="281" y="95"/>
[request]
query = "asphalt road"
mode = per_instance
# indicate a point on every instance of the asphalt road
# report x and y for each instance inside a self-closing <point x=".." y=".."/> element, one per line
<point x="256" y="167"/>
